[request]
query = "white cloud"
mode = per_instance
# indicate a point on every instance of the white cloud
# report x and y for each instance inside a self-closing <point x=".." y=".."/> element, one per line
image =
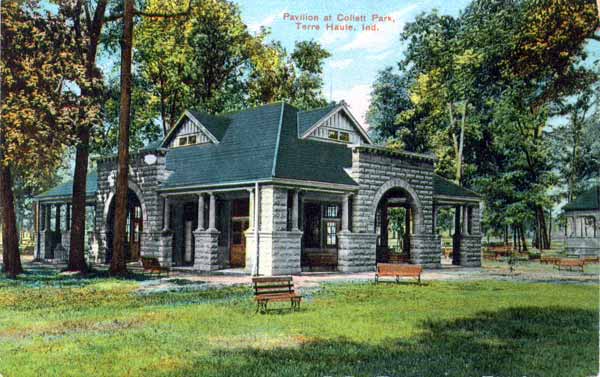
<point x="384" y="38"/>
<point x="358" y="99"/>
<point x="266" y="22"/>
<point x="341" y="63"/>
<point x="380" y="56"/>
<point x="330" y="37"/>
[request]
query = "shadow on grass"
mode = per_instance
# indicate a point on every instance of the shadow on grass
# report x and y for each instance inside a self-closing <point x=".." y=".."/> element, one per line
<point x="513" y="342"/>
<point x="44" y="275"/>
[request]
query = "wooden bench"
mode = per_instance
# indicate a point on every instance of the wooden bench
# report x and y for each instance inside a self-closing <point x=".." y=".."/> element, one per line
<point x="397" y="271"/>
<point x="571" y="264"/>
<point x="313" y="260"/>
<point x="151" y="265"/>
<point x="591" y="260"/>
<point x="500" y="251"/>
<point x="549" y="260"/>
<point x="274" y="289"/>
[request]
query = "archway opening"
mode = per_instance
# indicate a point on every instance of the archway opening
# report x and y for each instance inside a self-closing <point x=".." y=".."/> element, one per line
<point x="133" y="228"/>
<point x="394" y="224"/>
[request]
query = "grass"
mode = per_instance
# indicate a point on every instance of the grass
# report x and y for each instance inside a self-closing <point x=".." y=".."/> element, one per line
<point x="58" y="326"/>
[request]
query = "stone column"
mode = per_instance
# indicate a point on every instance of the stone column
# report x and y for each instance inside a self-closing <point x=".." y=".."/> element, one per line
<point x="165" y="244"/>
<point x="295" y="212"/>
<point x="200" y="212"/>
<point x="206" y="256"/>
<point x="212" y="213"/>
<point x="167" y="215"/>
<point x="345" y="214"/>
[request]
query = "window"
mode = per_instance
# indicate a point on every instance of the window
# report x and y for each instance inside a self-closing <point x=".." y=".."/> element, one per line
<point x="183" y="141"/>
<point x="331" y="233"/>
<point x="192" y="139"/>
<point x="333" y="134"/>
<point x="332" y="211"/>
<point x="345" y="137"/>
<point x="589" y="225"/>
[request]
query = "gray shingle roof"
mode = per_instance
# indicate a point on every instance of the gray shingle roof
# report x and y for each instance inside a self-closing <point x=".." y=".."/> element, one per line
<point x="260" y="143"/>
<point x="65" y="190"/>
<point x="246" y="151"/>
<point x="306" y="119"/>
<point x="589" y="200"/>
<point x="442" y="186"/>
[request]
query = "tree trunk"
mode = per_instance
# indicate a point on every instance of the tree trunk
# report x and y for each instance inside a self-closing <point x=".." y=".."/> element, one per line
<point x="117" y="264"/>
<point x="523" y="239"/>
<point x="10" y="238"/>
<point x="77" y="247"/>
<point x="544" y="242"/>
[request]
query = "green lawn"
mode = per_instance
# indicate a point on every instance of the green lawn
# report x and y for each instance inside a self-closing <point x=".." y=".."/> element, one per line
<point x="103" y="327"/>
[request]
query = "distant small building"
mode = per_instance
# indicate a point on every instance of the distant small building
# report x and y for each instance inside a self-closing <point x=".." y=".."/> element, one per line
<point x="583" y="224"/>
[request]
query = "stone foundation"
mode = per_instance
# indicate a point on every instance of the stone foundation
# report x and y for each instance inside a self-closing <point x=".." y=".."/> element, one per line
<point x="425" y="250"/>
<point x="356" y="251"/>
<point x="207" y="250"/>
<point x="165" y="249"/>
<point x="280" y="253"/>
<point x="470" y="251"/>
<point x="583" y="247"/>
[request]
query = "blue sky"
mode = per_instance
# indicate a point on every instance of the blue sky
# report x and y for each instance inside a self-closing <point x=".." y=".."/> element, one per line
<point x="357" y="56"/>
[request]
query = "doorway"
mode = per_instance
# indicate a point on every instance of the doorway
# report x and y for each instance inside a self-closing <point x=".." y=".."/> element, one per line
<point x="133" y="230"/>
<point x="239" y="224"/>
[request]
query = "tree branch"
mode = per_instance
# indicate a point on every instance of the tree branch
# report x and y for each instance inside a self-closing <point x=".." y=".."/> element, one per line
<point x="114" y="17"/>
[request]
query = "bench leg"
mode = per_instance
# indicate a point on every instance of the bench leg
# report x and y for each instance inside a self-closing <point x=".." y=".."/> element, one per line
<point x="376" y="278"/>
<point x="397" y="279"/>
<point x="419" y="279"/>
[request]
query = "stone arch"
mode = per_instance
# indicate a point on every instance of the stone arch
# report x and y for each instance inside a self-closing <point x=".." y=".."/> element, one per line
<point x="138" y="192"/>
<point x="402" y="184"/>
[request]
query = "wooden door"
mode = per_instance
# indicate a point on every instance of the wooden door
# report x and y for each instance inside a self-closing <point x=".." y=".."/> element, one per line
<point x="237" y="255"/>
<point x="135" y="232"/>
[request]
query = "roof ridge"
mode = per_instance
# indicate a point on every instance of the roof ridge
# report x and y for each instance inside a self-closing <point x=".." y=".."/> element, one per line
<point x="277" y="141"/>
<point x="333" y="104"/>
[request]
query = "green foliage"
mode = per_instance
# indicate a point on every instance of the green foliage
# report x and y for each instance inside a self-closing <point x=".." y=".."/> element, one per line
<point x="209" y="61"/>
<point x="496" y="72"/>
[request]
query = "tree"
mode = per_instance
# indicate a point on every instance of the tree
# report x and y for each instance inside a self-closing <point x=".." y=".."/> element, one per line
<point x="86" y="23"/>
<point x="37" y="108"/>
<point x="506" y="91"/>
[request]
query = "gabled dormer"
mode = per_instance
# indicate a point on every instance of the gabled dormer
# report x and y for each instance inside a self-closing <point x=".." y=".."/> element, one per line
<point x="194" y="128"/>
<point x="334" y="123"/>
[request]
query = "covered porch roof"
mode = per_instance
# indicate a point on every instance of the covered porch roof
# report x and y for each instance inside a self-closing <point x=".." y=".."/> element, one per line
<point x="63" y="192"/>
<point x="448" y="192"/>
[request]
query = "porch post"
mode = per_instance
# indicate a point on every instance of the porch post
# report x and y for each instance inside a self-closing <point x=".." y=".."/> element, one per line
<point x="167" y="214"/>
<point x="68" y="217"/>
<point x="345" y="214"/>
<point x="200" y="212"/>
<point x="295" y="212"/>
<point x="57" y="218"/>
<point x="251" y="209"/>
<point x="212" y="213"/>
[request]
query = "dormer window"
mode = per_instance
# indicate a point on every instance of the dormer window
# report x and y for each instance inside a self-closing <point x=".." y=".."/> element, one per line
<point x="186" y="140"/>
<point x="337" y="135"/>
<point x="345" y="137"/>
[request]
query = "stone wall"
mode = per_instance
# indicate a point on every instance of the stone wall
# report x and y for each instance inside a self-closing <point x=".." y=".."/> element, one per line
<point x="377" y="172"/>
<point x="470" y="250"/>
<point x="356" y="251"/>
<point x="373" y="172"/>
<point x="144" y="180"/>
<point x="279" y="249"/>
